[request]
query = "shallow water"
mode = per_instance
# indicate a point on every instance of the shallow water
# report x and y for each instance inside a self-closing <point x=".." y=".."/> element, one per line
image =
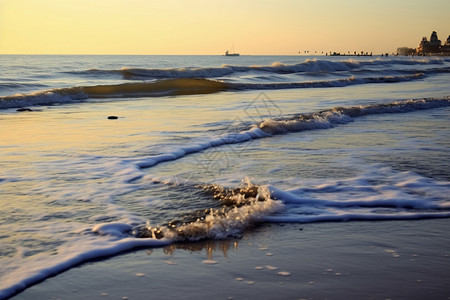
<point x="75" y="185"/>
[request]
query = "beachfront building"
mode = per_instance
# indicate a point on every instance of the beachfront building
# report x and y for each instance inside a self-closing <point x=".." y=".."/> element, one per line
<point x="446" y="46"/>
<point x="433" y="46"/>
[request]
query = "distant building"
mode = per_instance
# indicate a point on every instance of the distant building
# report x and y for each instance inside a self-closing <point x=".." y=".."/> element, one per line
<point x="446" y="47"/>
<point x="433" y="46"/>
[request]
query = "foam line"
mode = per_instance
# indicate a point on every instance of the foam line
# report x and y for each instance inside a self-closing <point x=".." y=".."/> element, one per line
<point x="355" y="217"/>
<point x="309" y="65"/>
<point x="174" y="87"/>
<point x="319" y="120"/>
<point x="325" y="83"/>
<point x="12" y="286"/>
<point x="398" y="202"/>
<point x="159" y="88"/>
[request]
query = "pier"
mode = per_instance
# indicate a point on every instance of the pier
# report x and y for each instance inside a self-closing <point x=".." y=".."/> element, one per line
<point x="334" y="53"/>
<point x="350" y="54"/>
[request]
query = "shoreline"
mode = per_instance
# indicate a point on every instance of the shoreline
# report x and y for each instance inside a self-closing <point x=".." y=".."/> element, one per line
<point x="345" y="260"/>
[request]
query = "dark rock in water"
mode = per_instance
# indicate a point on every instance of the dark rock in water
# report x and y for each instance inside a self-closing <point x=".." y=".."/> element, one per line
<point x="113" y="117"/>
<point x="24" y="109"/>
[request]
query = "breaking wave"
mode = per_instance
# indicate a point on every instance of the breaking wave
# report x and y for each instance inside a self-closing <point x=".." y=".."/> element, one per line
<point x="239" y="208"/>
<point x="317" y="120"/>
<point x="326" y="83"/>
<point x="136" y="73"/>
<point x="168" y="87"/>
<point x="174" y="87"/>
<point x="388" y="195"/>
<point x="310" y="65"/>
<point x="342" y="115"/>
<point x="47" y="97"/>
<point x="398" y="196"/>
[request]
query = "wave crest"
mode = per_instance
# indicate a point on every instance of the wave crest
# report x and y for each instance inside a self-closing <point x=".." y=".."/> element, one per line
<point x="325" y="83"/>
<point x="158" y="88"/>
<point x="317" y="120"/>
<point x="48" y="97"/>
<point x="168" y="87"/>
<point x="342" y="115"/>
<point x="241" y="207"/>
<point x="179" y="86"/>
<point x="309" y="65"/>
<point x="136" y="73"/>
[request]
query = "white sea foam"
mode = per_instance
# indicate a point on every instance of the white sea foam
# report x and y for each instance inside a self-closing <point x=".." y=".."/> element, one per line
<point x="225" y="139"/>
<point x="310" y="65"/>
<point x="177" y="72"/>
<point x="242" y="207"/>
<point x="326" y="83"/>
<point x="177" y="86"/>
<point x="48" y="97"/>
<point x="74" y="253"/>
<point x="106" y="239"/>
<point x="378" y="194"/>
<point x="114" y="228"/>
<point x="320" y="120"/>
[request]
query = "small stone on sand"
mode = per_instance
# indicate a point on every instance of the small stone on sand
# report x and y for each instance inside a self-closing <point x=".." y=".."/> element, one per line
<point x="24" y="109"/>
<point x="140" y="274"/>
<point x="259" y="268"/>
<point x="170" y="262"/>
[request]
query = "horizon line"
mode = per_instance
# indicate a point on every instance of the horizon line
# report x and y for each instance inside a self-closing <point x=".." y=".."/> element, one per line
<point x="93" y="54"/>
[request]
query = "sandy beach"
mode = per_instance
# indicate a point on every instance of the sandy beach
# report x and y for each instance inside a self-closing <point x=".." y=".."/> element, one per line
<point x="353" y="260"/>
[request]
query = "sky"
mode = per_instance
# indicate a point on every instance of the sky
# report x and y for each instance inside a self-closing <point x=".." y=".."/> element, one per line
<point x="197" y="27"/>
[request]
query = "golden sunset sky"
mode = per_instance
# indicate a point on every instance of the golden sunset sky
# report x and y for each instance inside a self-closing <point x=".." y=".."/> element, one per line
<point x="281" y="27"/>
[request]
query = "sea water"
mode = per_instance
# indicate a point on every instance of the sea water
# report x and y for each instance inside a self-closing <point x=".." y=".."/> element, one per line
<point x="206" y="147"/>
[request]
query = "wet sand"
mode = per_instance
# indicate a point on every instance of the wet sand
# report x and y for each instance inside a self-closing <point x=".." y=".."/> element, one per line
<point x="353" y="260"/>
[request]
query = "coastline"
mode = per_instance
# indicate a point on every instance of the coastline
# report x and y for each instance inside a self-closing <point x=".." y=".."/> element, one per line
<point x="385" y="166"/>
<point x="345" y="260"/>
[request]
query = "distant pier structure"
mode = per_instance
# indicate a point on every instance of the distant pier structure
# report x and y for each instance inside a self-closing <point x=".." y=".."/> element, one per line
<point x="362" y="53"/>
<point x="333" y="53"/>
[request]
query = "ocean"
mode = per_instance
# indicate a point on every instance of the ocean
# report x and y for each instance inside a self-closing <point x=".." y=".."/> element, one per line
<point x="105" y="154"/>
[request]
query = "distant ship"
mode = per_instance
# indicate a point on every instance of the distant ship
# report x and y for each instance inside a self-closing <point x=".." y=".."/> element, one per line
<point x="227" y="53"/>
